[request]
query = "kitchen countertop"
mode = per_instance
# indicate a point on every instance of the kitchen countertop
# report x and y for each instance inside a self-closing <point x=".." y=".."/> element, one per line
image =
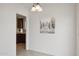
<point x="21" y="33"/>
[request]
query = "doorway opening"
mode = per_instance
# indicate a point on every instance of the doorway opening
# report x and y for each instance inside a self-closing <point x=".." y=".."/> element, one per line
<point x="20" y="32"/>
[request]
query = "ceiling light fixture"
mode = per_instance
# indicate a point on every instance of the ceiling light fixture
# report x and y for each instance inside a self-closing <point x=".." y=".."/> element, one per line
<point x="36" y="7"/>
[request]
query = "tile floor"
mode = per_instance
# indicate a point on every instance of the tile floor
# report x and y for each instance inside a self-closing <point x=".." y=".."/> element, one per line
<point x="22" y="52"/>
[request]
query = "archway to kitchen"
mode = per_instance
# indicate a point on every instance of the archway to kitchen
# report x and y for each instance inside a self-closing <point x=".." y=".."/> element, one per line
<point x="20" y="33"/>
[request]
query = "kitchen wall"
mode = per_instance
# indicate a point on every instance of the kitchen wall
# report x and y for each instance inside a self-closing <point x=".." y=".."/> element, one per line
<point x="8" y="27"/>
<point x="63" y="42"/>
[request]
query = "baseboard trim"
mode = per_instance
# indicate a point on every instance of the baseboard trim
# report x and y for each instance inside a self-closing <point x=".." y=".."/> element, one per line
<point x="41" y="52"/>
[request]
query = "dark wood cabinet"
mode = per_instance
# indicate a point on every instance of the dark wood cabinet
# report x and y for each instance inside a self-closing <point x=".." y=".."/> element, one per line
<point x="21" y="38"/>
<point x="19" y="22"/>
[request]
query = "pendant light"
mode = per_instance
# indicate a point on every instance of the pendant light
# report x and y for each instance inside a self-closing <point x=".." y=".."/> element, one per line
<point x="36" y="7"/>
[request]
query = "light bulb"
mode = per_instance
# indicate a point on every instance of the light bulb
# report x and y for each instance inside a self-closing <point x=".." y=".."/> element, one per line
<point x="33" y="9"/>
<point x="37" y="7"/>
